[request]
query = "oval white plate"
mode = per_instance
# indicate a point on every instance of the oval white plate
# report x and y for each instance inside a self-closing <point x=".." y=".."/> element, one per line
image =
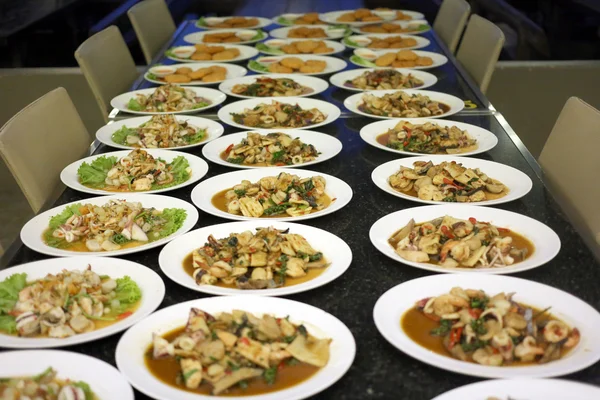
<point x="198" y="37"/>
<point x="262" y="22"/>
<point x="213" y="130"/>
<point x="486" y="140"/>
<point x="318" y="85"/>
<point x="233" y="71"/>
<point x="545" y="241"/>
<point x="421" y="41"/>
<point x="328" y="145"/>
<point x="456" y="105"/>
<point x="331" y="17"/>
<point x="246" y="52"/>
<point x="31" y="233"/>
<point x="215" y="97"/>
<point x="336" y="47"/>
<point x="282" y="33"/>
<point x="152" y="286"/>
<point x="403" y="24"/>
<point x="340" y="78"/>
<point x="203" y="192"/>
<point x="333" y="64"/>
<point x="237" y="107"/>
<point x="392" y="305"/>
<point x="438" y="59"/>
<point x="517" y="182"/>
<point x="105" y="380"/>
<point x="334" y="249"/>
<point x="134" y="343"/>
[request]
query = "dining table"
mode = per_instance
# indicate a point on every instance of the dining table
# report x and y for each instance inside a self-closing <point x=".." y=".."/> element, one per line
<point x="379" y="370"/>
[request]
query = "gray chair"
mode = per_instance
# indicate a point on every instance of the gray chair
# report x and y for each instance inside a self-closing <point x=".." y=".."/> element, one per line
<point x="153" y="25"/>
<point x="450" y="21"/>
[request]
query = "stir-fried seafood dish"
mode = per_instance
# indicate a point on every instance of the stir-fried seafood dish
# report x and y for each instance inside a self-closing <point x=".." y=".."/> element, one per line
<point x="447" y="181"/>
<point x="115" y="225"/>
<point x="167" y="98"/>
<point x="232" y="22"/>
<point x="161" y="131"/>
<point x="275" y="196"/>
<point x="307" y="32"/>
<point x="403" y="59"/>
<point x="401" y="105"/>
<point x="65" y="304"/>
<point x="278" y="115"/>
<point x="471" y="326"/>
<point x="360" y="15"/>
<point x="136" y="172"/>
<point x="427" y="138"/>
<point x="271" y="87"/>
<point x="288" y="65"/>
<point x="214" y="73"/>
<point x="306" y="47"/>
<point x="275" y="148"/>
<point x="304" y="19"/>
<point x="266" y="259"/>
<point x="236" y="353"/>
<point x="45" y="386"/>
<point x="388" y="27"/>
<point x="460" y="243"/>
<point x="381" y="79"/>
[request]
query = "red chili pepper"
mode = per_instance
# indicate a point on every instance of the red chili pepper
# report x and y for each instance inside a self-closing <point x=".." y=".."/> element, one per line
<point x="251" y="249"/>
<point x="405" y="143"/>
<point x="408" y="134"/>
<point x="427" y="133"/>
<point x="124" y="315"/>
<point x="503" y="230"/>
<point x="475" y="312"/>
<point x="279" y="164"/>
<point x="228" y="149"/>
<point x="455" y="335"/>
<point x="472" y="220"/>
<point x="451" y="182"/>
<point x="226" y="259"/>
<point x="245" y="341"/>
<point x="432" y="317"/>
<point x="281" y="366"/>
<point x="446" y="231"/>
<point x="227" y="372"/>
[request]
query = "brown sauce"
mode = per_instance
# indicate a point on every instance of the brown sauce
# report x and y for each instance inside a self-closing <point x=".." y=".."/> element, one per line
<point x="384" y="139"/>
<point x="489" y="196"/>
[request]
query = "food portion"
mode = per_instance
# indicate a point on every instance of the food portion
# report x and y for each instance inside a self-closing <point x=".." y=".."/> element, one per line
<point x="469" y="325"/>
<point x="65" y="304"/>
<point x="232" y="22"/>
<point x="391" y="42"/>
<point x="113" y="226"/>
<point x="161" y="131"/>
<point x="229" y="37"/>
<point x="388" y="27"/>
<point x="167" y="98"/>
<point x="460" y="243"/>
<point x="45" y="386"/>
<point x="307" y="33"/>
<point x="278" y="115"/>
<point x="448" y="182"/>
<point x="272" y="87"/>
<point x="401" y="105"/>
<point x="306" y="47"/>
<point x="236" y="354"/>
<point x="214" y="53"/>
<point x="360" y="15"/>
<point x="304" y="19"/>
<point x="382" y="79"/>
<point x="288" y="65"/>
<point x="403" y="59"/>
<point x="210" y="74"/>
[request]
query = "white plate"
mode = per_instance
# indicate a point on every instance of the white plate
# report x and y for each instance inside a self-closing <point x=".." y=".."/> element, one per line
<point x="456" y="105"/>
<point x="213" y="130"/>
<point x="262" y="22"/>
<point x="331" y="17"/>
<point x="233" y="71"/>
<point x="246" y="52"/>
<point x="438" y="59"/>
<point x="199" y="168"/>
<point x="214" y="96"/>
<point x="134" y="343"/>
<point x="328" y="145"/>
<point x="530" y="389"/>
<point x="334" y="249"/>
<point x="392" y="305"/>
<point x="105" y="380"/>
<point x="421" y="41"/>
<point x="152" y="286"/>
<point x="340" y="78"/>
<point x="203" y="192"/>
<point x="518" y="183"/>
<point x="336" y="47"/>
<point x="545" y="241"/>
<point x="330" y="110"/>
<point x="318" y="85"/>
<point x="486" y="140"/>
<point x="31" y="233"/>
<point x="403" y="24"/>
<point x="198" y="37"/>
<point x="282" y="33"/>
<point x="333" y="64"/>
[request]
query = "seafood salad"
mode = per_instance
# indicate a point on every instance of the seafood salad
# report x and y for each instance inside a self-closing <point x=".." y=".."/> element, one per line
<point x="138" y="171"/>
<point x="381" y="79"/>
<point x="460" y="243"/>
<point x="401" y="105"/>
<point x="115" y="225"/>
<point x="167" y="98"/>
<point x="427" y="138"/>
<point x="278" y="115"/>
<point x="45" y="386"/>
<point x="236" y="353"/>
<point x="489" y="330"/>
<point x="271" y="87"/>
<point x="161" y="131"/>
<point x="275" y="148"/>
<point x="65" y="304"/>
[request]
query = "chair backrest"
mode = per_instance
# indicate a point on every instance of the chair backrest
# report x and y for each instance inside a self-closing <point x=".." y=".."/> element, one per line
<point x="570" y="163"/>
<point x="479" y="50"/>
<point x="153" y="25"/>
<point x="107" y="65"/>
<point x="450" y="21"/>
<point x="42" y="139"/>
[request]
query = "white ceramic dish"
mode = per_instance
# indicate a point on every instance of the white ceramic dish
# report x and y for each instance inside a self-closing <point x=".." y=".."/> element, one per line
<point x="340" y="78"/>
<point x="421" y="26"/>
<point x="246" y="52"/>
<point x="198" y="37"/>
<point x="233" y="71"/>
<point x="354" y="41"/>
<point x="214" y="96"/>
<point x="331" y="30"/>
<point x="317" y="85"/>
<point x="438" y="59"/>
<point x="262" y="22"/>
<point x="332" y="17"/>
<point x="261" y="64"/>
<point x="336" y="47"/>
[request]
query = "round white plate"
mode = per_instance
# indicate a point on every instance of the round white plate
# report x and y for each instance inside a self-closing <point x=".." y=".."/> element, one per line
<point x="545" y="241"/>
<point x="330" y="110"/>
<point x="518" y="183"/>
<point x="152" y="286"/>
<point x="213" y="130"/>
<point x="421" y="23"/>
<point x="438" y="59"/>
<point x="282" y="33"/>
<point x="336" y="252"/>
<point x="233" y="71"/>
<point x="246" y="52"/>
<point x="530" y="389"/>
<point x="336" y="47"/>
<point x="198" y="37"/>
<point x="328" y="145"/>
<point x="318" y="85"/>
<point x="331" y="17"/>
<point x="421" y="41"/>
<point x="392" y="305"/>
<point x="340" y="78"/>
<point x="134" y="343"/>
<point x="456" y="105"/>
<point x="262" y="22"/>
<point x="203" y="192"/>
<point x="214" y="96"/>
<point x="31" y="233"/>
<point x="486" y="140"/>
<point x="333" y="64"/>
<point x="105" y="380"/>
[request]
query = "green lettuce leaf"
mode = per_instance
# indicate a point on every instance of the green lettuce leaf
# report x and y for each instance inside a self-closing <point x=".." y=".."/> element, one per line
<point x="8" y="324"/>
<point x="127" y="292"/>
<point x="202" y="104"/>
<point x="256" y="66"/>
<point x="362" y="62"/>
<point x="94" y="174"/>
<point x="270" y="50"/>
<point x="9" y="291"/>
<point x="175" y="218"/>
<point x="349" y="42"/>
<point x="179" y="167"/>
<point x="201" y="22"/>
<point x="57" y="221"/>
<point x="89" y="395"/>
<point x="120" y="136"/>
<point x="285" y="21"/>
<point x="259" y="35"/>
<point x="196" y="137"/>
<point x="134" y="105"/>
